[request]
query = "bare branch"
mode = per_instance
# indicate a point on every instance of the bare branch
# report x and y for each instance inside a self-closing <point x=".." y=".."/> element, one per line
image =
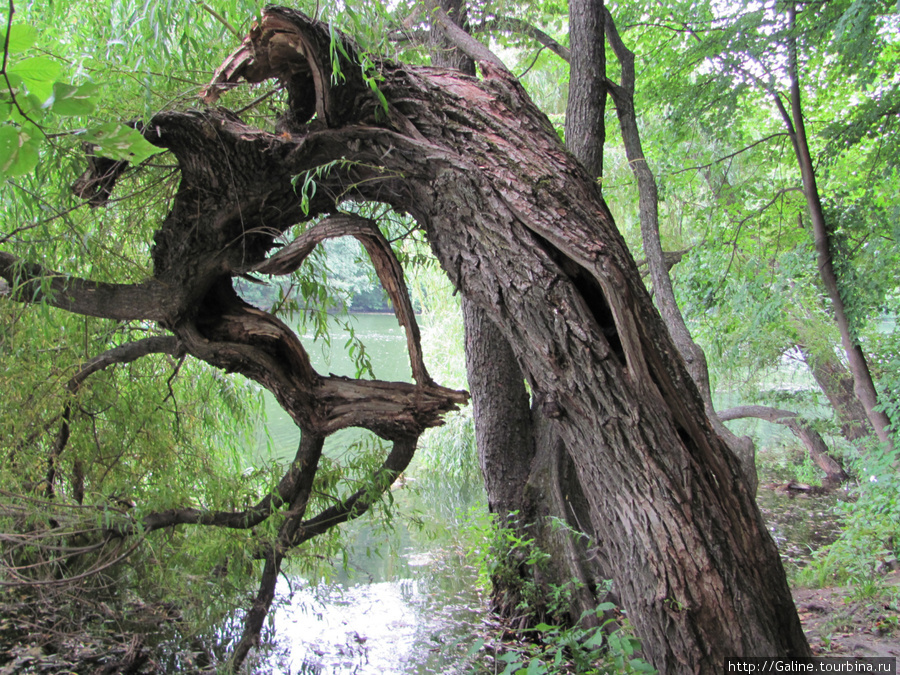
<point x="509" y="24"/>
<point x="31" y="283"/>
<point x="361" y="500"/>
<point x="731" y="155"/>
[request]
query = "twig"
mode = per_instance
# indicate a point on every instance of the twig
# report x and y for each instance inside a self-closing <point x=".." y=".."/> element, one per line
<point x="220" y="18"/>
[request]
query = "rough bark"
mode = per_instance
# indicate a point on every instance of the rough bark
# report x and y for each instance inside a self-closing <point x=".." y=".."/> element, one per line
<point x="526" y="469"/>
<point x="586" y="106"/>
<point x="502" y="414"/>
<point x="560" y="519"/>
<point x="522" y="231"/>
<point x="695" y="358"/>
<point x="811" y="439"/>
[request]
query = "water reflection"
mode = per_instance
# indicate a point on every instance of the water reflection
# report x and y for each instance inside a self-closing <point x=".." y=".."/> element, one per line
<point x="405" y="601"/>
<point x="414" y="625"/>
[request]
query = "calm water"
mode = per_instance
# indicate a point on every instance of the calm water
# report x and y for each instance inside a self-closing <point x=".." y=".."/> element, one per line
<point x="404" y="600"/>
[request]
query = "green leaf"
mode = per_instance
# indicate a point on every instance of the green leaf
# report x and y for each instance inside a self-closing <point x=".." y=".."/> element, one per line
<point x="117" y="141"/>
<point x="21" y="37"/>
<point x="38" y="73"/>
<point x="71" y="100"/>
<point x="535" y="667"/>
<point x="18" y="152"/>
<point x="596" y="640"/>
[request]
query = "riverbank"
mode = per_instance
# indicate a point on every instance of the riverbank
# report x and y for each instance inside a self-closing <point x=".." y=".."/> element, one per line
<point x="417" y="612"/>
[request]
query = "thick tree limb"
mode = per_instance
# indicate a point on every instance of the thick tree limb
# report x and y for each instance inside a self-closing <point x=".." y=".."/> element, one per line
<point x="308" y="458"/>
<point x="31" y="283"/>
<point x="362" y="500"/>
<point x="523" y="232"/>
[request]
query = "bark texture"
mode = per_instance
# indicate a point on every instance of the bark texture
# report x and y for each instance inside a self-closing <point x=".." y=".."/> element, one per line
<point x="522" y="231"/>
<point x="585" y="130"/>
<point x="527" y="472"/>
<point x="836" y="383"/>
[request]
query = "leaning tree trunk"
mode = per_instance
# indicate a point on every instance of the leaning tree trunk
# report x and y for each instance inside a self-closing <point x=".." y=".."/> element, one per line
<point x="527" y="472"/>
<point x="863" y="385"/>
<point x="523" y="232"/>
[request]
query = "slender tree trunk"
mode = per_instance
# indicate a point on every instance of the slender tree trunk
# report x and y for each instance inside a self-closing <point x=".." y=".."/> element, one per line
<point x="586" y="106"/>
<point x="532" y="487"/>
<point x="623" y="96"/>
<point x="864" y="386"/>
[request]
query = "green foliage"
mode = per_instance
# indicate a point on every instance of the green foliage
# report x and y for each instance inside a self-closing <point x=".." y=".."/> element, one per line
<point x="576" y="650"/>
<point x="602" y="646"/>
<point x="869" y="544"/>
<point x="886" y="364"/>
<point x="449" y="449"/>
<point x="32" y="98"/>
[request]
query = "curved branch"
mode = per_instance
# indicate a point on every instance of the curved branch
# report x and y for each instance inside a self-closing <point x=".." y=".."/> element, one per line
<point x="126" y="353"/>
<point x="355" y="505"/>
<point x="31" y="283"/>
<point x="362" y="500"/>
<point x="387" y="267"/>
<point x="322" y="405"/>
<point x="800" y="427"/>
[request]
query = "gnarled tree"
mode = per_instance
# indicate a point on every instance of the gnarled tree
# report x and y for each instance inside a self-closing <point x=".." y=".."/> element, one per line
<point x="522" y="231"/>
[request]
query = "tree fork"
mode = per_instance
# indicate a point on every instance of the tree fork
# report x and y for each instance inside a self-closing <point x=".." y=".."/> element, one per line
<point x="523" y="232"/>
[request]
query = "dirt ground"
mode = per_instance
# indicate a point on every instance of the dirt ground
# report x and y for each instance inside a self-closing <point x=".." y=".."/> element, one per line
<point x="838" y="622"/>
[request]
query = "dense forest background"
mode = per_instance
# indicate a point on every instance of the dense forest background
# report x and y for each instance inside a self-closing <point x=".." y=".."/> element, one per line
<point x="94" y="440"/>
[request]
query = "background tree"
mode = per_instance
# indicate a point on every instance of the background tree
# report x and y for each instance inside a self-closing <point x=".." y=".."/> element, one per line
<point x="735" y="62"/>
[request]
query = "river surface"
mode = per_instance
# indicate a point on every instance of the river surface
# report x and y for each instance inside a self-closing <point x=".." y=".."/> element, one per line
<point x="403" y="600"/>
